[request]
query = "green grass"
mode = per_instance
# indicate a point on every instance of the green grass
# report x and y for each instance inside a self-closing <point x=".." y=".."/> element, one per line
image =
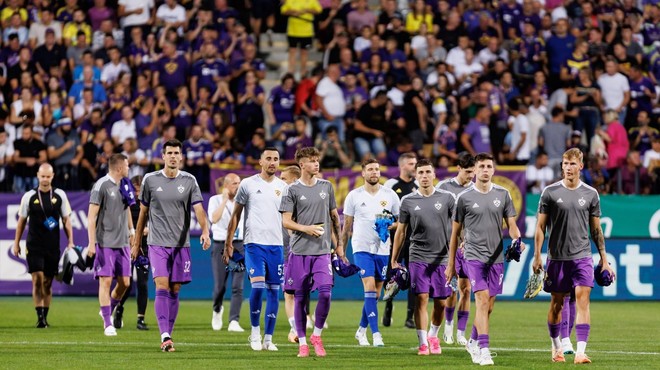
<point x="624" y="334"/>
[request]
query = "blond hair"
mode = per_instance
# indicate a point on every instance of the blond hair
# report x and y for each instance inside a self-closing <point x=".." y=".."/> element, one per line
<point x="573" y="153"/>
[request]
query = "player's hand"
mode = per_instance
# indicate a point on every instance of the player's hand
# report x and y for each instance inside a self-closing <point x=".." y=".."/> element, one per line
<point x="228" y="253"/>
<point x="339" y="251"/>
<point x="607" y="267"/>
<point x="314" y="230"/>
<point x="523" y="246"/>
<point x="17" y="250"/>
<point x="395" y="265"/>
<point x="536" y="264"/>
<point x="91" y="250"/>
<point x="206" y="240"/>
<point x="450" y="271"/>
<point x="461" y="246"/>
<point x="135" y="248"/>
<point x="131" y="238"/>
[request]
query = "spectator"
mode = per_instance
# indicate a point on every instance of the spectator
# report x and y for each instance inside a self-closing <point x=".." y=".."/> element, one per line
<point x="24" y="64"/>
<point x="616" y="141"/>
<point x="370" y="125"/>
<point x="652" y="157"/>
<point x="65" y="153"/>
<point x="586" y="97"/>
<point x="330" y="100"/>
<point x="641" y="135"/>
<point x="632" y="177"/>
<point x="595" y="174"/>
<point x="642" y="94"/>
<point x="539" y="175"/>
<point x="124" y="128"/>
<point x="182" y="112"/>
<point x="146" y="124"/>
<point x="66" y="13"/>
<point x="87" y="82"/>
<point x="168" y="133"/>
<point x="99" y="13"/>
<point x="415" y="114"/>
<point x="492" y="52"/>
<point x="6" y="152"/>
<point x="554" y="138"/>
<point x="476" y="136"/>
<point x="55" y="110"/>
<point x="446" y="140"/>
<point x="16" y="26"/>
<point x="280" y="104"/>
<point x="250" y="100"/>
<point x="197" y="154"/>
<point x="296" y="139"/>
<point x="27" y="102"/>
<point x="334" y="153"/>
<point x="559" y="47"/>
<point x="300" y="30"/>
<point x="71" y="29"/>
<point x="615" y="89"/>
<point x="633" y="49"/>
<point x="361" y="16"/>
<point x="520" y="152"/>
<point x="29" y="154"/>
<point x="136" y="13"/>
<point x="418" y="16"/>
<point x="171" y="15"/>
<point x="171" y="70"/>
<point x="207" y="72"/>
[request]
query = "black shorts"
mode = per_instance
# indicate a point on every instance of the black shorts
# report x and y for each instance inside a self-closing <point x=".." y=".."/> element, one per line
<point x="45" y="260"/>
<point x="302" y="42"/>
<point x="261" y="9"/>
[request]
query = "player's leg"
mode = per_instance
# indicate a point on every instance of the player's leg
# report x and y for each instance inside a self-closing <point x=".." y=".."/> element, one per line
<point x="288" y="307"/>
<point x="296" y="282"/>
<point x="478" y="272"/>
<point x="582" y="322"/>
<point x="439" y="309"/>
<point x="421" y="322"/>
<point x="450" y="306"/>
<point x="48" y="295"/>
<point x="38" y="297"/>
<point x="463" y="313"/>
<point x="494" y="276"/>
<point x="369" y="316"/>
<point x="410" y="307"/>
<point x="323" y="280"/>
<point x="119" y="309"/>
<point x="51" y="267"/>
<point x="181" y="273"/>
<point x="220" y="274"/>
<point x="255" y="265"/>
<point x="122" y="271"/>
<point x="142" y="272"/>
<point x="568" y="317"/>
<point x="555" y="325"/>
<point x="274" y="277"/>
<point x="120" y="290"/>
<point x="105" y="283"/>
<point x="237" y="278"/>
<point x="159" y="258"/>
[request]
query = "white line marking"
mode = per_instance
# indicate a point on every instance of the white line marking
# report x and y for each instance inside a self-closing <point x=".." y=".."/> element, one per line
<point x="229" y="345"/>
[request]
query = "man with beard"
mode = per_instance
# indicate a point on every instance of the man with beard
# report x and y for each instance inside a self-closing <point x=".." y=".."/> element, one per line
<point x="65" y="152"/>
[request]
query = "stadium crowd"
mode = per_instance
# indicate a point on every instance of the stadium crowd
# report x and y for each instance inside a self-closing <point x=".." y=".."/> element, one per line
<point x="525" y="81"/>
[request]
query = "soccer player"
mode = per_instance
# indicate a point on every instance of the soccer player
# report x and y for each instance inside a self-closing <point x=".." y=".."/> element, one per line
<point x="260" y="195"/>
<point x="456" y="185"/>
<point x="370" y="252"/>
<point x="480" y="209"/>
<point x="41" y="209"/>
<point x="309" y="209"/>
<point x="403" y="185"/>
<point x="428" y="212"/>
<point x="290" y="175"/>
<point x="568" y="209"/>
<point x="109" y="224"/>
<point x="221" y="207"/>
<point x="167" y="198"/>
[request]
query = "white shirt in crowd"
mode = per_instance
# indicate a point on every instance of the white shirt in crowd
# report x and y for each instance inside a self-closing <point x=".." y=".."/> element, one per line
<point x="613" y="89"/>
<point x="333" y="97"/>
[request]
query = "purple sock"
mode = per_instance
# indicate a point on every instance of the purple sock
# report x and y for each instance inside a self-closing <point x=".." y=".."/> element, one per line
<point x="475" y="334"/>
<point x="571" y="321"/>
<point x="449" y="314"/>
<point x="113" y="303"/>
<point x="323" y="306"/>
<point x="484" y="341"/>
<point x="174" y="309"/>
<point x="462" y="319"/>
<point x="300" y="313"/>
<point x="107" y="314"/>
<point x="554" y="329"/>
<point x="582" y="332"/>
<point x="565" y="317"/>
<point x="161" y="306"/>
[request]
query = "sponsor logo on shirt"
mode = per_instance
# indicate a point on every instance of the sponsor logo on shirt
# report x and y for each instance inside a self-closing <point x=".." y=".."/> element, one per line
<point x="560" y="201"/>
<point x="475" y="205"/>
<point x="159" y="189"/>
<point x="417" y="208"/>
<point x="302" y="197"/>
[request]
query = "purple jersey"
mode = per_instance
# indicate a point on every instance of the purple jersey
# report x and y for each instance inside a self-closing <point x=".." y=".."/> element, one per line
<point x="479" y="136"/>
<point x="294" y="143"/>
<point x="173" y="72"/>
<point x="639" y="101"/>
<point x="207" y="72"/>
<point x="509" y="17"/>
<point x="250" y="107"/>
<point x="140" y="96"/>
<point x="184" y="118"/>
<point x="196" y="150"/>
<point x="651" y="33"/>
<point x="354" y="69"/>
<point x="283" y="102"/>
<point x="374" y="78"/>
<point x="141" y="122"/>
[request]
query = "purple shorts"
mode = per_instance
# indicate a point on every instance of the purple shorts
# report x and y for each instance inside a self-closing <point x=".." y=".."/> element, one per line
<point x="485" y="276"/>
<point x="460" y="264"/>
<point x="429" y="278"/>
<point x="308" y="273"/>
<point x="112" y="262"/>
<point x="563" y="276"/>
<point x="173" y="263"/>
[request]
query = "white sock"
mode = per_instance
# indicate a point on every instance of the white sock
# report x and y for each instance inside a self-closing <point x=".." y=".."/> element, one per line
<point x="292" y="322"/>
<point x="556" y="343"/>
<point x="581" y="346"/>
<point x="317" y="331"/>
<point x="421" y="335"/>
<point x="362" y="330"/>
<point x="434" y="331"/>
<point x="460" y="333"/>
<point x="163" y="336"/>
<point x="302" y="341"/>
<point x="449" y="324"/>
<point x="268" y="338"/>
<point x="256" y="331"/>
<point x="566" y="342"/>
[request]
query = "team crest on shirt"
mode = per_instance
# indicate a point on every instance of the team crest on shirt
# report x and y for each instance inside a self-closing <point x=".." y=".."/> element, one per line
<point x="582" y="202"/>
<point x="438" y="205"/>
<point x="251" y="271"/>
<point x="323" y="194"/>
<point x="383" y="203"/>
<point x="277" y="192"/>
<point x="180" y="188"/>
<point x="497" y="202"/>
<point x="290" y="281"/>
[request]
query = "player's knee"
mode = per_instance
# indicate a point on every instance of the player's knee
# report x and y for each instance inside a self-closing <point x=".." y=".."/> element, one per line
<point x="325" y="292"/>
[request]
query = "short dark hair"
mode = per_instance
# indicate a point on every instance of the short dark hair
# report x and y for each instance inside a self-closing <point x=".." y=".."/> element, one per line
<point x="408" y="155"/>
<point x="174" y="143"/>
<point x="270" y="149"/>
<point x="116" y="159"/>
<point x="483" y="157"/>
<point x="307" y="152"/>
<point x="136" y="180"/>
<point x="465" y="160"/>
<point x="423" y="162"/>
<point x="557" y="111"/>
<point x="368" y="161"/>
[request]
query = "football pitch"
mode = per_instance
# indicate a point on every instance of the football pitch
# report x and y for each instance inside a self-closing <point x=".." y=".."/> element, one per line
<point x="623" y="335"/>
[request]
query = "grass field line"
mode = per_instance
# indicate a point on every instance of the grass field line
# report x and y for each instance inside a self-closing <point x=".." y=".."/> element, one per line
<point x="229" y="345"/>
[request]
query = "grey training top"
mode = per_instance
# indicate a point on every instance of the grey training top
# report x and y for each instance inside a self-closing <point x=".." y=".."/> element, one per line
<point x="310" y="205"/>
<point x="568" y="213"/>
<point x="170" y="202"/>
<point x="112" y="221"/>
<point x="481" y="215"/>
<point x="428" y="218"/>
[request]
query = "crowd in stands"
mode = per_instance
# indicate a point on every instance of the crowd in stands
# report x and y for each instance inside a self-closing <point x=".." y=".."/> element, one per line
<point x="524" y="80"/>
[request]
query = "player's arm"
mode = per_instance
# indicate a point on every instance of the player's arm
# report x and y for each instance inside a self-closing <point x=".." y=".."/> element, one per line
<point x="336" y="231"/>
<point x="539" y="237"/>
<point x="20" y="227"/>
<point x="514" y="231"/>
<point x="347" y="230"/>
<point x="92" y="214"/>
<point x="599" y="239"/>
<point x="201" y="219"/>
<point x="399" y="237"/>
<point x="456" y="230"/>
<point x="68" y="230"/>
<point x="231" y="229"/>
<point x="131" y="229"/>
<point x="139" y="230"/>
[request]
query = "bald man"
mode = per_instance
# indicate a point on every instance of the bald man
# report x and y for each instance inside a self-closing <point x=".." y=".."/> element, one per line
<point x="220" y="209"/>
<point x="41" y="209"/>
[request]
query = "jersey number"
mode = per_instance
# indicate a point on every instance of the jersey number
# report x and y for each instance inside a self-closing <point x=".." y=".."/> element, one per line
<point x="280" y="270"/>
<point x="186" y="266"/>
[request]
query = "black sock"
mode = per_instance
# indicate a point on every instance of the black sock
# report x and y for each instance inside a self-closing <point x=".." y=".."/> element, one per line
<point x="45" y="310"/>
<point x="40" y="312"/>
